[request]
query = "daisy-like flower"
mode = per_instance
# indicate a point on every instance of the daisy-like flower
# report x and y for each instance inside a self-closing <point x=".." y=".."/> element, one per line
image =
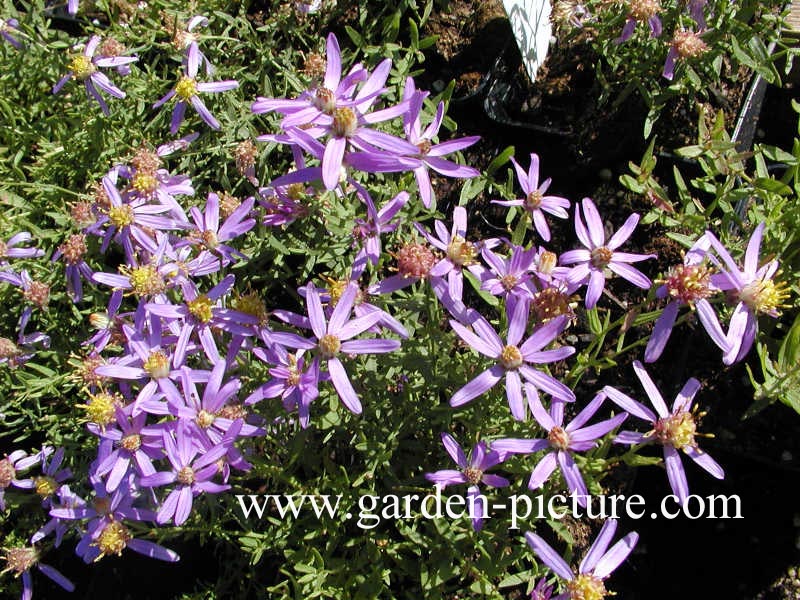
<point x="377" y="222"/>
<point x="588" y="583"/>
<point x="674" y="430"/>
<point x="211" y="235"/>
<point x="641" y="11"/>
<point x="535" y="202"/>
<point x="471" y="472"/>
<point x="7" y="26"/>
<point x="513" y="359"/>
<point x="72" y="252"/>
<point x="52" y="477"/>
<point x="16" y="354"/>
<point x="428" y="154"/>
<point x="187" y="39"/>
<point x="12" y="249"/>
<point x="685" y="44"/>
<point x="191" y="473"/>
<point x="561" y="441"/>
<point x="21" y="559"/>
<point x="186" y="91"/>
<point x="459" y="253"/>
<point x="600" y="254"/>
<point x="687" y="284"/>
<point x="754" y="290"/>
<point x="510" y="277"/>
<point x="333" y="337"/>
<point x="12" y="465"/>
<point x="84" y="67"/>
<point x="291" y="380"/>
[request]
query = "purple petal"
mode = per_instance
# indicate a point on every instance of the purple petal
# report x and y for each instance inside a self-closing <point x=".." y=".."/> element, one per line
<point x="454" y="450"/>
<point x="615" y="557"/>
<point x="651" y="389"/>
<point x="477" y="386"/>
<point x="543" y="470"/>
<point x="599" y="546"/>
<point x="706" y="462"/>
<point x="549" y="556"/>
<point x="676" y="474"/>
<point x="594" y="223"/>
<point x="661" y="332"/>
<point x="633" y="275"/>
<point x="153" y="550"/>
<point x="630" y="405"/>
<point x="343" y="386"/>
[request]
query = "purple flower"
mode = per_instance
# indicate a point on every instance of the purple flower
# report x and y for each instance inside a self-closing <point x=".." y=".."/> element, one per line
<point x="687" y="284"/>
<point x="187" y="90"/>
<point x="333" y="336"/>
<point x="72" y="251"/>
<point x="471" y="472"/>
<point x="542" y="591"/>
<point x="83" y="67"/>
<point x="459" y="253"/>
<point x="16" y="354"/>
<point x="754" y="290"/>
<point x="210" y="235"/>
<point x="9" y="249"/>
<point x="290" y="379"/>
<point x="685" y="44"/>
<point x="600" y="254"/>
<point x="6" y="27"/>
<point x="12" y="465"/>
<point x="594" y="569"/>
<point x="377" y="222"/>
<point x="136" y="445"/>
<point x="511" y="359"/>
<point x="510" y="277"/>
<point x="21" y="559"/>
<point x="535" y="202"/>
<point x="66" y="499"/>
<point x="427" y="154"/>
<point x="561" y="441"/>
<point x="191" y="473"/>
<point x="674" y="430"/>
<point x="641" y="11"/>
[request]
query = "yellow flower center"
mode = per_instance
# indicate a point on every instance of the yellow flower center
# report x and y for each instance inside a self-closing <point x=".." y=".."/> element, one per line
<point x="131" y="442"/>
<point x="45" y="486"/>
<point x="121" y="216"/>
<point x="600" y="257"/>
<point x="200" y="308"/>
<point x="641" y="10"/>
<point x="186" y="88"/>
<point x="82" y="67"/>
<point x="765" y="296"/>
<point x="157" y="365"/>
<point x="185" y="476"/>
<point x="294" y="372"/>
<point x="461" y="252"/>
<point x="533" y="200"/>
<point x="511" y="358"/>
<point x="345" y="122"/>
<point x="144" y="183"/>
<point x="252" y="304"/>
<point x="677" y="430"/>
<point x="101" y="408"/>
<point x="558" y="438"/>
<point x="329" y="346"/>
<point x="586" y="587"/>
<point x="7" y="473"/>
<point x="20" y="560"/>
<point x="145" y="280"/>
<point x="205" y="419"/>
<point x="325" y="100"/>
<point x="113" y="539"/>
<point x="473" y="475"/>
<point x="688" y="283"/>
<point x="508" y="282"/>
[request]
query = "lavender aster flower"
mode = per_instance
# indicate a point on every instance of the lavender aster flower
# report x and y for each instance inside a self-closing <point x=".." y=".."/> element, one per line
<point x="21" y="559"/>
<point x="512" y="358"/>
<point x="754" y="290"/>
<point x="600" y="254"/>
<point x="12" y="465"/>
<point x="561" y="441"/>
<point x="589" y="582"/>
<point x="376" y="223"/>
<point x="333" y="336"/>
<point x="191" y="473"/>
<point x="685" y="44"/>
<point x="674" y="430"/>
<point x="6" y="27"/>
<point x="687" y="284"/>
<point x="459" y="253"/>
<point x="535" y="202"/>
<point x="187" y="90"/>
<point x="209" y="234"/>
<point x="83" y="67"/>
<point x="10" y="248"/>
<point x="471" y="472"/>
<point x="641" y="11"/>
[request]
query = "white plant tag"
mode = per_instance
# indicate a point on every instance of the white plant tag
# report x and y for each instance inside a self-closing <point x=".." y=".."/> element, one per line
<point x="530" y="22"/>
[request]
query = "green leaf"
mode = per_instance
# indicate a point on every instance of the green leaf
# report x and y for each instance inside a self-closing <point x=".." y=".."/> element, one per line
<point x="499" y="160"/>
